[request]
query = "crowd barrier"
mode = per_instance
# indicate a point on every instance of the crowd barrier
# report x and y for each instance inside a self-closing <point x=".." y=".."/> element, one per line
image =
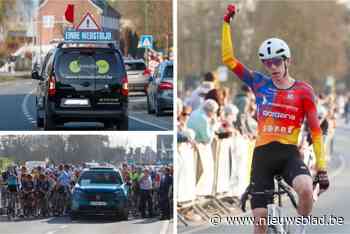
<point x="209" y="174"/>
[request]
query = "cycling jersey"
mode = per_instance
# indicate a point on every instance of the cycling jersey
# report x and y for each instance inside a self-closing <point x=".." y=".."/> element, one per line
<point x="64" y="179"/>
<point x="43" y="185"/>
<point x="28" y="186"/>
<point x="280" y="112"/>
<point x="12" y="183"/>
<point x="12" y="180"/>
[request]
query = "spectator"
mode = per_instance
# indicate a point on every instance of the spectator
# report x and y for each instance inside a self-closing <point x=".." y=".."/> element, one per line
<point x="164" y="200"/>
<point x="196" y="99"/>
<point x="229" y="118"/>
<point x="242" y="101"/>
<point x="145" y="194"/>
<point x="184" y="134"/>
<point x="217" y="96"/>
<point x="203" y="121"/>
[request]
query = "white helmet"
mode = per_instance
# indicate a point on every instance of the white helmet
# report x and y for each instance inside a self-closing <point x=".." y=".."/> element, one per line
<point x="273" y="47"/>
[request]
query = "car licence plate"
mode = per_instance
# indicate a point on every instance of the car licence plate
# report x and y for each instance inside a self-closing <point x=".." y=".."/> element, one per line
<point x="76" y="102"/>
<point x="98" y="203"/>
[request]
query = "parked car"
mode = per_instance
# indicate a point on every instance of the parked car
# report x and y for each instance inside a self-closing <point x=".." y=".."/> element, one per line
<point x="160" y="89"/>
<point x="84" y="84"/>
<point x="100" y="191"/>
<point x="138" y="75"/>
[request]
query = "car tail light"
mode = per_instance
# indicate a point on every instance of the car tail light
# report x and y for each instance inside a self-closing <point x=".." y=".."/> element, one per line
<point x="165" y="86"/>
<point x="147" y="72"/>
<point x="52" y="86"/>
<point x="125" y="89"/>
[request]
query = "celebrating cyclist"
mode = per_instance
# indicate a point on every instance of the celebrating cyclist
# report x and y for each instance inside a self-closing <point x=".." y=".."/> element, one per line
<point x="282" y="104"/>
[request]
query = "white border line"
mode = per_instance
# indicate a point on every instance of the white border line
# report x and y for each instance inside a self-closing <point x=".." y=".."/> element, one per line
<point x="25" y="110"/>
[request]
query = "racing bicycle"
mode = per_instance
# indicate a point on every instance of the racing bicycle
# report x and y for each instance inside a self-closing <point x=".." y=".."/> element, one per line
<point x="275" y="210"/>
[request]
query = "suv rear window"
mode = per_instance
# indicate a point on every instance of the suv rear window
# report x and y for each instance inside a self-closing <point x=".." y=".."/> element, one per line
<point x="89" y="65"/>
<point x="99" y="177"/>
<point x="135" y="66"/>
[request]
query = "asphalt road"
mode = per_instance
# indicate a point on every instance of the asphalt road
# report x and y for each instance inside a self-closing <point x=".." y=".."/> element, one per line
<point x="18" y="111"/>
<point x="336" y="201"/>
<point x="63" y="225"/>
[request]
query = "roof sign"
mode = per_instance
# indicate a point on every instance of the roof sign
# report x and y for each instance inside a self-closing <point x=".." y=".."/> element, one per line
<point x="93" y="36"/>
<point x="88" y="23"/>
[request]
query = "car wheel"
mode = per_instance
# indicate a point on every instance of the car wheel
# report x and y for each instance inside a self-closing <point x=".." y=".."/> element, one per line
<point x="158" y="109"/>
<point x="123" y="124"/>
<point x="39" y="121"/>
<point x="149" y="109"/>
<point x="49" y="123"/>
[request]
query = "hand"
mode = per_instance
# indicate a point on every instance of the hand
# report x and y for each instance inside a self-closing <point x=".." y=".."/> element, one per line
<point x="322" y="179"/>
<point x="230" y="12"/>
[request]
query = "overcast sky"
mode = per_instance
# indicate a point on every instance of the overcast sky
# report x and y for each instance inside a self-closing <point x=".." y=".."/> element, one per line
<point x="134" y="140"/>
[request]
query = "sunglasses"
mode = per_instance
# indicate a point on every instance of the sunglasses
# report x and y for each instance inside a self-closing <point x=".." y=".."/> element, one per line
<point x="274" y="61"/>
<point x="185" y="114"/>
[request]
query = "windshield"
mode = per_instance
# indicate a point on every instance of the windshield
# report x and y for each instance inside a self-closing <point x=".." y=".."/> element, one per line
<point x="89" y="65"/>
<point x="99" y="177"/>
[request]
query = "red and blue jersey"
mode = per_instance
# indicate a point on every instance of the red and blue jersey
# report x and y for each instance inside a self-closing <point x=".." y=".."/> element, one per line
<point x="280" y="112"/>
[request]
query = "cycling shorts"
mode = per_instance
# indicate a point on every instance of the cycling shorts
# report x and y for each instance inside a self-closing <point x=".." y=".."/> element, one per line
<point x="274" y="159"/>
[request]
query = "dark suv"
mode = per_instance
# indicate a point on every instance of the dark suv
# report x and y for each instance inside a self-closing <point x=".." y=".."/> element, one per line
<point x="84" y="84"/>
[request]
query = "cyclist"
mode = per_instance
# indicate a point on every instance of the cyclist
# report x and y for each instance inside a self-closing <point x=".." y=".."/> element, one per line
<point x="42" y="188"/>
<point x="11" y="179"/>
<point x="282" y="105"/>
<point x="64" y="182"/>
<point x="12" y="183"/>
<point x="28" y="198"/>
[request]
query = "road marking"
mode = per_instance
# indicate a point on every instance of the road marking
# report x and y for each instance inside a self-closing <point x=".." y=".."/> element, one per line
<point x="148" y="123"/>
<point x="25" y="110"/>
<point x="64" y="226"/>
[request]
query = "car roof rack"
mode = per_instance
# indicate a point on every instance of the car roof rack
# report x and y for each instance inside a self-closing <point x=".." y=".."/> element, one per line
<point x="111" y="44"/>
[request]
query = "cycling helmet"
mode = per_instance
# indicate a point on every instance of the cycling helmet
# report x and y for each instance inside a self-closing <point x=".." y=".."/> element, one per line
<point x="272" y="48"/>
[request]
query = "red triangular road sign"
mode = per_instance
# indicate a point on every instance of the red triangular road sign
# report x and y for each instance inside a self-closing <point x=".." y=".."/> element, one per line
<point x="88" y="23"/>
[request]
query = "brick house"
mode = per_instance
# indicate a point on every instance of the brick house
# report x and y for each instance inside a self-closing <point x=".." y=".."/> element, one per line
<point x="50" y="20"/>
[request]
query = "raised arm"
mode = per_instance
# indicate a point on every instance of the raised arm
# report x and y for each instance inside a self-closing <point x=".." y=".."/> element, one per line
<point x="228" y="56"/>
